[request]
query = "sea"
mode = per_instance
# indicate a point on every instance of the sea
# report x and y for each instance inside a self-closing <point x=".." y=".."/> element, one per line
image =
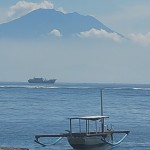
<point x="28" y="109"/>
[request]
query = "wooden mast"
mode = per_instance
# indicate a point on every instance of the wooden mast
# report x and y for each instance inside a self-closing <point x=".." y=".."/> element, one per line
<point x="102" y="120"/>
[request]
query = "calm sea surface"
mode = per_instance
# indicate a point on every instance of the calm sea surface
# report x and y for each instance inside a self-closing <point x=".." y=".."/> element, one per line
<point x="30" y="109"/>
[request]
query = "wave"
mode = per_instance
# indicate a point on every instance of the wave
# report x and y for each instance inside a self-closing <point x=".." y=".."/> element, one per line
<point x="29" y="87"/>
<point x="128" y="88"/>
<point x="43" y="87"/>
<point x="66" y="86"/>
<point x="145" y="89"/>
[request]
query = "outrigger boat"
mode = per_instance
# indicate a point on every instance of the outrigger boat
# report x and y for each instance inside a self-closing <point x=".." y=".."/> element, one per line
<point x="92" y="133"/>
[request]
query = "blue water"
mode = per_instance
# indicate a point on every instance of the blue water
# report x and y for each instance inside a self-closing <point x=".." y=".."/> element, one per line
<point x="30" y="109"/>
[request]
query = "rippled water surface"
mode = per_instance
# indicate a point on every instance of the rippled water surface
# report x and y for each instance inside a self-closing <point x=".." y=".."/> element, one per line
<point x="30" y="109"/>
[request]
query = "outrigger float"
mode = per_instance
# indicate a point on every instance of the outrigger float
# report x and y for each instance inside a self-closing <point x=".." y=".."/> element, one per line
<point x="92" y="133"/>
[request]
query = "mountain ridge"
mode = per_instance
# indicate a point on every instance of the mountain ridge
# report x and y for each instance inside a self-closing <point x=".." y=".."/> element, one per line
<point x="41" y="22"/>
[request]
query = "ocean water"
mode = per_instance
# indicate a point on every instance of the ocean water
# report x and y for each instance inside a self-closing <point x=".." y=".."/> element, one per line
<point x="30" y="109"/>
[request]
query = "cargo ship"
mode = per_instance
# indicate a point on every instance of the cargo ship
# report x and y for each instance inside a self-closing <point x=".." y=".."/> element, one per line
<point x="41" y="80"/>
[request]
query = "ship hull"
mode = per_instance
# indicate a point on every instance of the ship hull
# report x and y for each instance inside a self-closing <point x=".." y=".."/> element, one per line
<point x="51" y="81"/>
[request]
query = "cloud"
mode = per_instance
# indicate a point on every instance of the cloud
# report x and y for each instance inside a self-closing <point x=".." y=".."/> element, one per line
<point x="23" y="7"/>
<point x="129" y="18"/>
<point x="61" y="10"/>
<point x="95" y="33"/>
<point x="55" y="33"/>
<point x="143" y="39"/>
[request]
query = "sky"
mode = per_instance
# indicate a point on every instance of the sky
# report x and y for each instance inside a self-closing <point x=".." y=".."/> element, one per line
<point x="92" y="59"/>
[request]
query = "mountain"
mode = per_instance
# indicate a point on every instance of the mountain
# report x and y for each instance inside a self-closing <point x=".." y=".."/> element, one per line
<point x="41" y="22"/>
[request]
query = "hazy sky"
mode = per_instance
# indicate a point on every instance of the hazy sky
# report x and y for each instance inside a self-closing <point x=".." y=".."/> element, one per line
<point x="93" y="59"/>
